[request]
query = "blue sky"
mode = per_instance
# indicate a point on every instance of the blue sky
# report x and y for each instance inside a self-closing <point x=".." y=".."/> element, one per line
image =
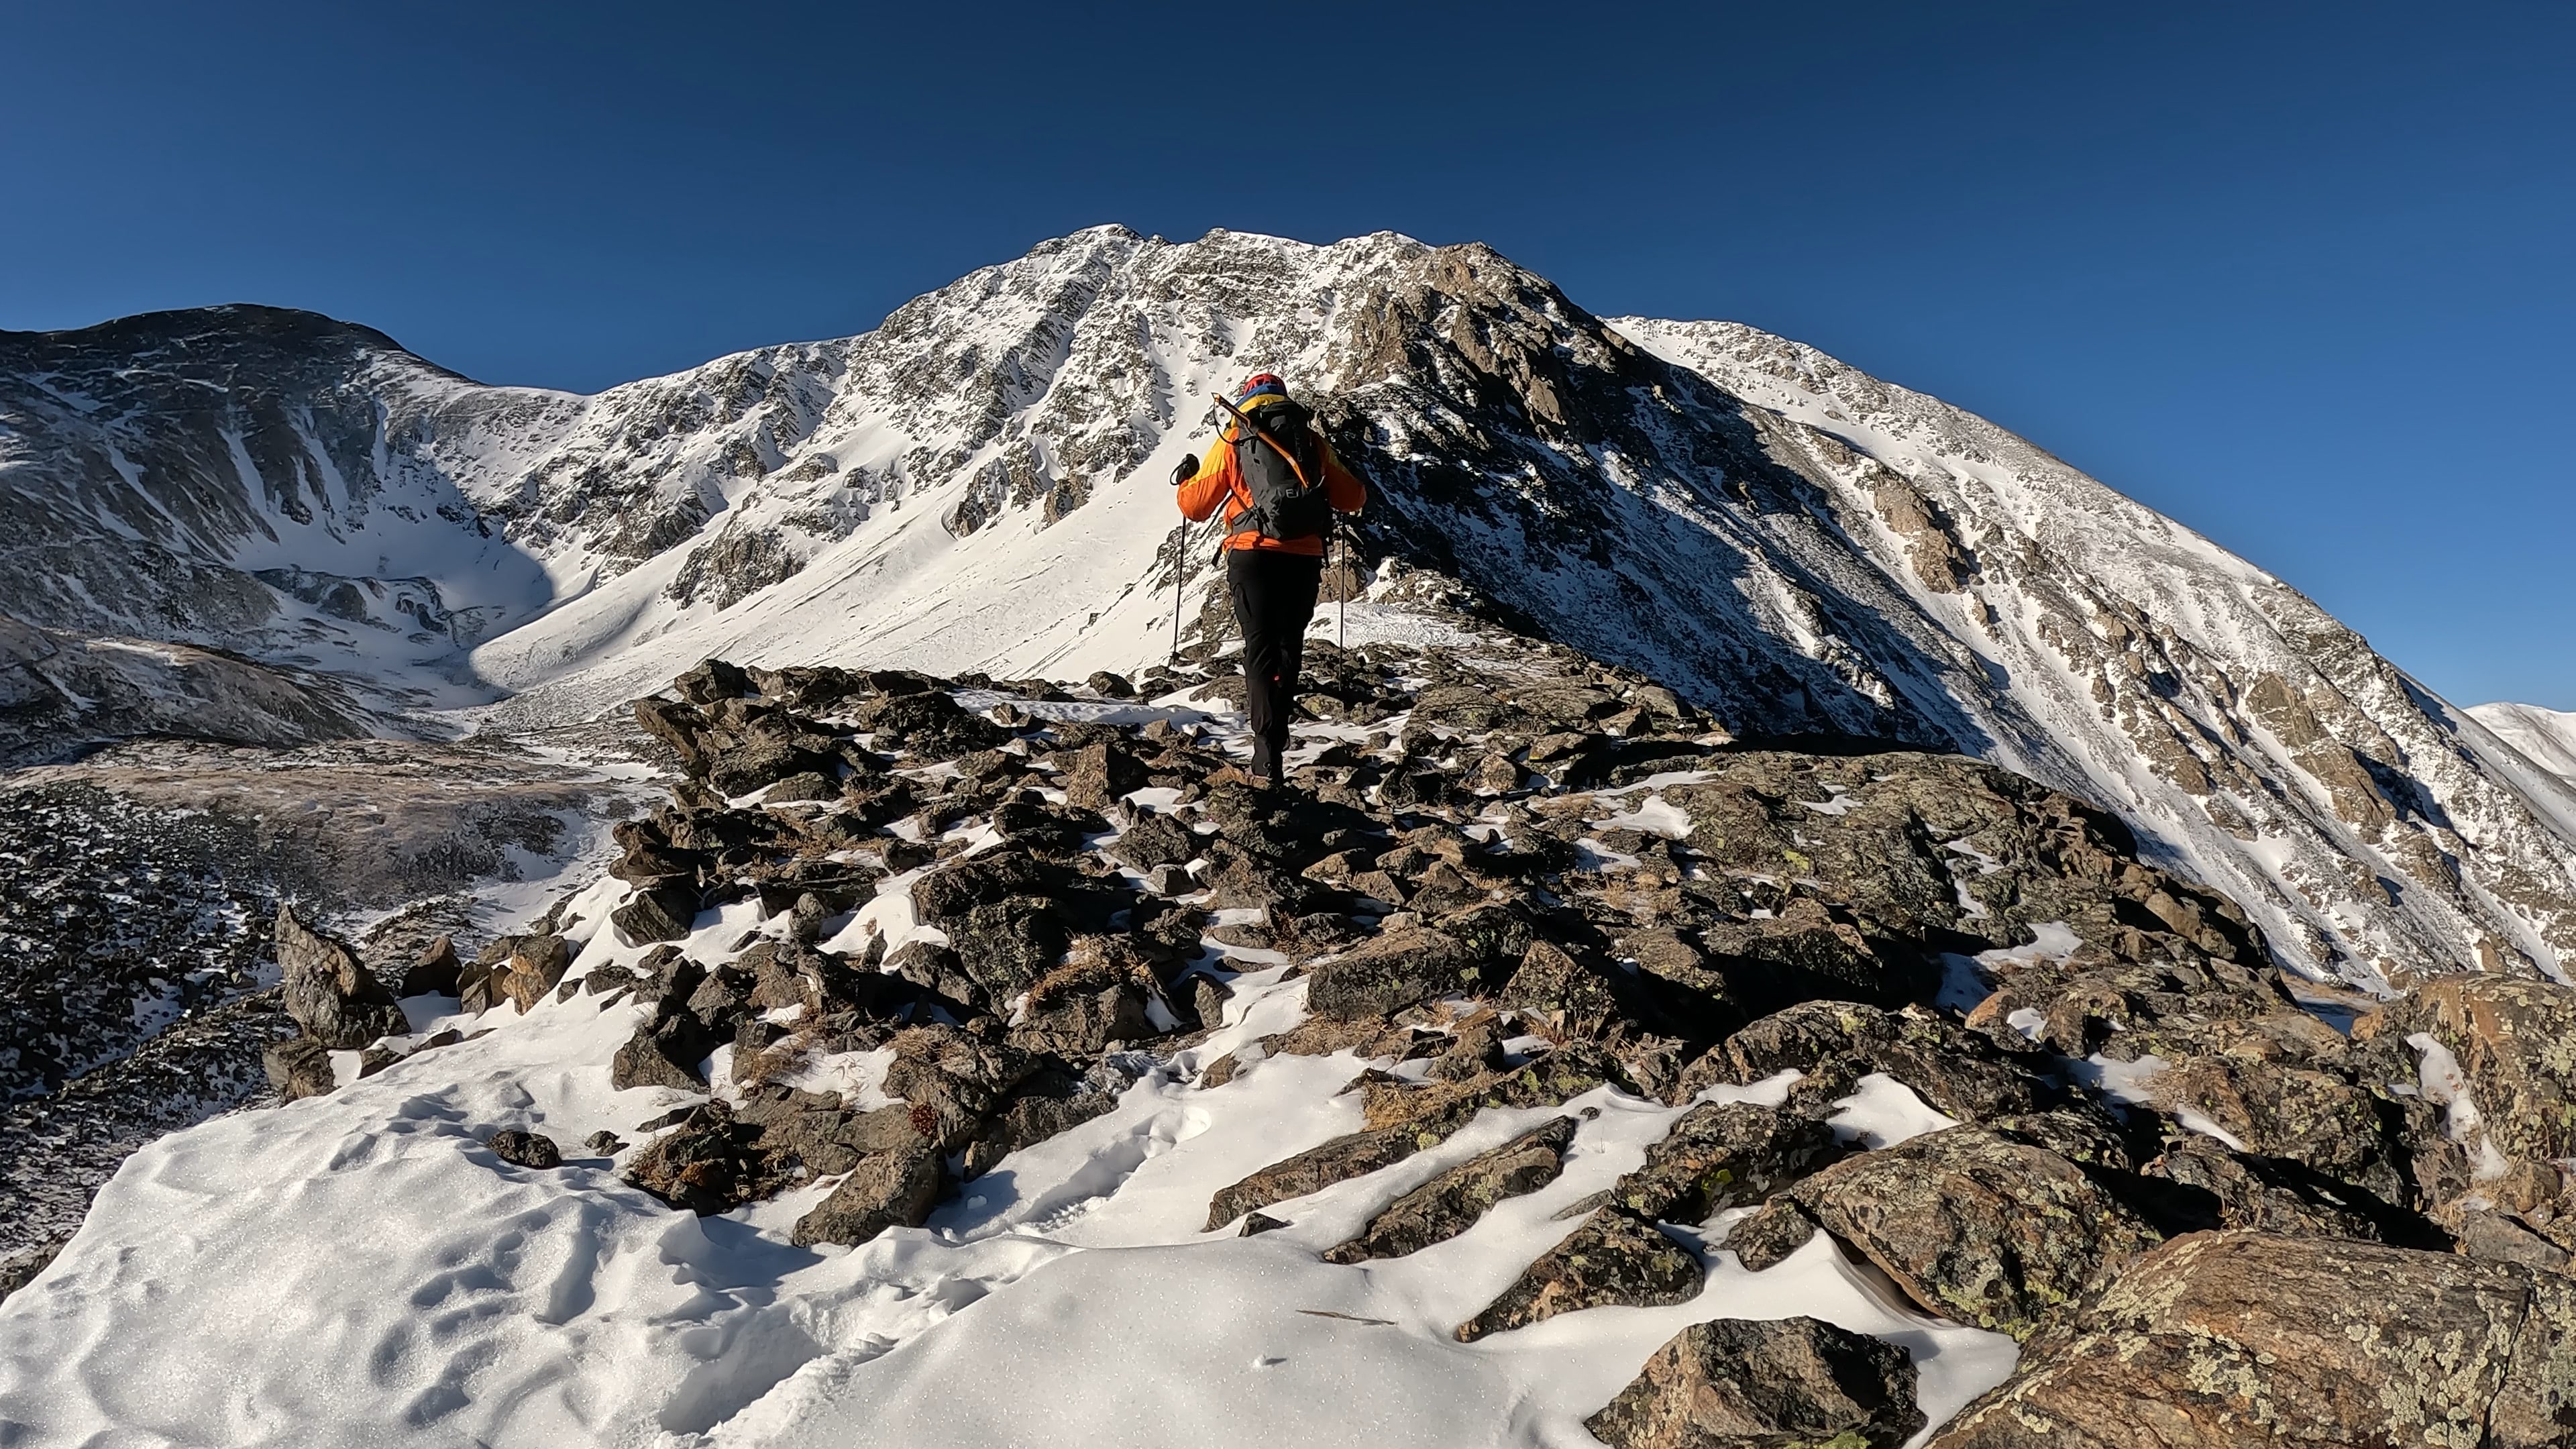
<point x="2296" y="274"/>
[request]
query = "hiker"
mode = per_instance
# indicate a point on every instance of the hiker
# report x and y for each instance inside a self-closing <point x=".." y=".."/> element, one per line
<point x="1277" y="512"/>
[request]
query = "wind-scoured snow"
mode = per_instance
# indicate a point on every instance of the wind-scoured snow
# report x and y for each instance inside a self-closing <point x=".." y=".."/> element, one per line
<point x="359" y="1269"/>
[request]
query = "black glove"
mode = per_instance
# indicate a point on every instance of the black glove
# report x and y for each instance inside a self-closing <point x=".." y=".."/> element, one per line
<point x="1187" y="469"/>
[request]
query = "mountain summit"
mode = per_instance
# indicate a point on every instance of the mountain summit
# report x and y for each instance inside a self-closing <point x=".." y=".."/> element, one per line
<point x="1800" y="549"/>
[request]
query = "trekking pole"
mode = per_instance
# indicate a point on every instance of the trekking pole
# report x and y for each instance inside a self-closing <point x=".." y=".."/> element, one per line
<point x="1341" y="586"/>
<point x="1178" y="543"/>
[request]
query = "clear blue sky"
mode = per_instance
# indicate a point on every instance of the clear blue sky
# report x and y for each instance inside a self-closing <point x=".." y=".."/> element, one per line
<point x="2297" y="274"/>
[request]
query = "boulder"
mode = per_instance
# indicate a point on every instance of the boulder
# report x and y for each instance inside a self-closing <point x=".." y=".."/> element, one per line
<point x="1387" y="973"/>
<point x="298" y="1067"/>
<point x="1722" y="1155"/>
<point x="1452" y="1202"/>
<point x="1973" y="1224"/>
<point x="334" y="997"/>
<point x="1096" y="777"/>
<point x="526" y="1149"/>
<point x="436" y="972"/>
<point x="893" y="1188"/>
<point x="1739" y="1384"/>
<point x="2240" y="1338"/>
<point x="665" y="909"/>
<point x="1615" y="1257"/>
<point x="1352" y="1155"/>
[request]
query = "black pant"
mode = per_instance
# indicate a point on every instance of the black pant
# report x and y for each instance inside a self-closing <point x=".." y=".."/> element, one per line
<point x="1274" y="600"/>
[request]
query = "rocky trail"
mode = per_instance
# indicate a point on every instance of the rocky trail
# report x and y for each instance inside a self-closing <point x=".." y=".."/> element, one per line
<point x="1544" y="1065"/>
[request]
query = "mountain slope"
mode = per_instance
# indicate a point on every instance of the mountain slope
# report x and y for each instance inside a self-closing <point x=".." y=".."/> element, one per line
<point x="978" y="485"/>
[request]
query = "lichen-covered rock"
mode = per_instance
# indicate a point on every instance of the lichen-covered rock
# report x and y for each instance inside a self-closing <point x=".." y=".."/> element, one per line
<point x="1973" y="1225"/>
<point x="1954" y="1069"/>
<point x="1452" y="1202"/>
<point x="1791" y="1383"/>
<point x="329" y="992"/>
<point x="2240" y="1338"/>
<point x="1353" y="1154"/>
<point x="1615" y="1257"/>
<point x="1722" y="1155"/>
<point x="2516" y="1041"/>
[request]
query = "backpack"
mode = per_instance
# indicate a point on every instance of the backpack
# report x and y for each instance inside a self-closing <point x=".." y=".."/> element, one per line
<point x="1284" y="505"/>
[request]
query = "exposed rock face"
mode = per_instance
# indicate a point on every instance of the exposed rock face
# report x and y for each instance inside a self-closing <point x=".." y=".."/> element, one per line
<point x="2515" y="1039"/>
<point x="1735" y="1384"/>
<point x="894" y="1188"/>
<point x="1615" y="1257"/>
<point x="1452" y="1202"/>
<point x="1973" y="1225"/>
<point x="2245" y="1338"/>
<point x="329" y="992"/>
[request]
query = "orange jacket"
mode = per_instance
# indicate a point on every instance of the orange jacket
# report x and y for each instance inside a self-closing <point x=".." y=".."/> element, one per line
<point x="1220" y="479"/>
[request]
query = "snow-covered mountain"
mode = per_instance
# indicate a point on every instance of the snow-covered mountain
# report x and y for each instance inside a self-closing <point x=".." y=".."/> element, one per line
<point x="978" y="485"/>
<point x="2546" y="737"/>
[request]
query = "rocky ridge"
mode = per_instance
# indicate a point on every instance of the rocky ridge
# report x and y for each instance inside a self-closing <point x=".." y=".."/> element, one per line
<point x="1511" y="878"/>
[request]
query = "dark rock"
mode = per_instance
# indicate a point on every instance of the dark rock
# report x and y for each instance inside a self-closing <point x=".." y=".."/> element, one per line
<point x="298" y="1067"/>
<point x="1387" y="974"/>
<point x="893" y="1188"/>
<point x="1722" y="1155"/>
<point x="435" y="973"/>
<point x="606" y="1144"/>
<point x="1452" y="1202"/>
<point x="525" y="1149"/>
<point x="1616" y="1257"/>
<point x="1738" y="1384"/>
<point x="335" y="998"/>
<point x="1255" y="1224"/>
<point x="1051" y="1101"/>
<point x="665" y="910"/>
